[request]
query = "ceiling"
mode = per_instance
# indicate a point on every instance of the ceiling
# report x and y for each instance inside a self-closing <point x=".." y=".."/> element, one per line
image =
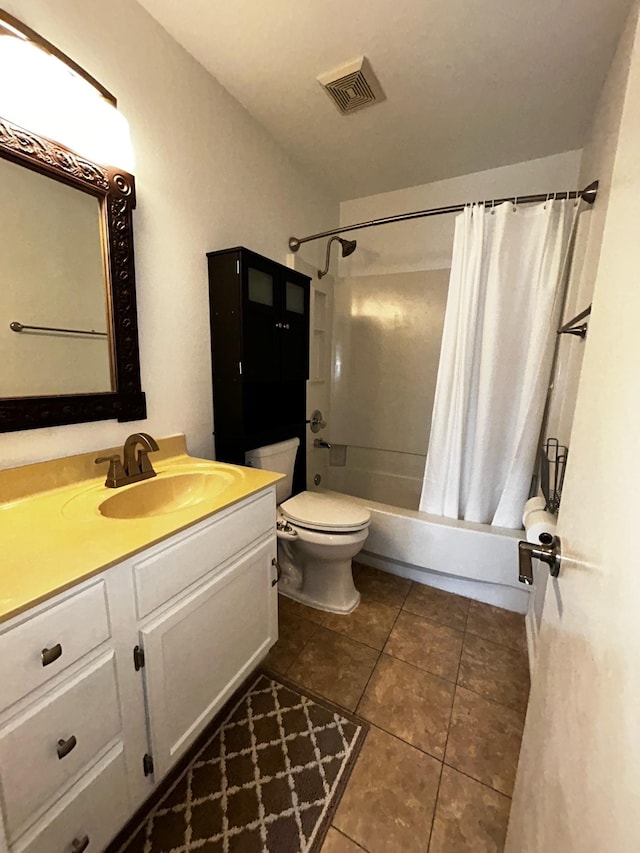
<point x="469" y="84"/>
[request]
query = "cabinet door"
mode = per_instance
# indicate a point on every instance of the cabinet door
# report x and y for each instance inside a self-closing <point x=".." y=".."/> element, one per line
<point x="261" y="328"/>
<point x="198" y="652"/>
<point x="295" y="330"/>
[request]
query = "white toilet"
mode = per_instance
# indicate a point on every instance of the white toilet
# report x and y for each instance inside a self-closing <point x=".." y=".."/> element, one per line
<point x="318" y="536"/>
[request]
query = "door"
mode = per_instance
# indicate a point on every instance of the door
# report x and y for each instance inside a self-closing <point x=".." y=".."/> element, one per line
<point x="198" y="652"/>
<point x="578" y="783"/>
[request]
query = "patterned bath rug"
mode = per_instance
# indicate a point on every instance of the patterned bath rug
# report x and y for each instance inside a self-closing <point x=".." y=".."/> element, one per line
<point x="268" y="781"/>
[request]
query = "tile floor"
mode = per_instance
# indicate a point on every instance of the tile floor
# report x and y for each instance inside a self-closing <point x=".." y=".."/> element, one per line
<point x="444" y="683"/>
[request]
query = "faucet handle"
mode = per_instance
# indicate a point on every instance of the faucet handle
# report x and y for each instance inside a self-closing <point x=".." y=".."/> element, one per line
<point x="116" y="473"/>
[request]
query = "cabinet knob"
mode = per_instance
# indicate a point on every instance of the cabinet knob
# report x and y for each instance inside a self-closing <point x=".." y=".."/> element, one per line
<point x="65" y="746"/>
<point x="278" y="325"/>
<point x="79" y="844"/>
<point x="285" y="326"/>
<point x="49" y="655"/>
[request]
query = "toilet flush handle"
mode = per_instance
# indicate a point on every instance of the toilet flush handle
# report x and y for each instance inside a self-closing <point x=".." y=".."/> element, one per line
<point x="285" y="531"/>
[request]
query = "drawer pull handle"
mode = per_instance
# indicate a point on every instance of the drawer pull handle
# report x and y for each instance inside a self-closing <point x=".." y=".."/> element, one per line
<point x="65" y="747"/>
<point x="276" y="565"/>
<point x="80" y="844"/>
<point x="49" y="655"/>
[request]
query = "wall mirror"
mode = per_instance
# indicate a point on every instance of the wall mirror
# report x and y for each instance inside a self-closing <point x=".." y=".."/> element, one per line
<point x="68" y="323"/>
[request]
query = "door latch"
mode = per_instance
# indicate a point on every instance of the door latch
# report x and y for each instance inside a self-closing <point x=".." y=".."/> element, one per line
<point x="549" y="554"/>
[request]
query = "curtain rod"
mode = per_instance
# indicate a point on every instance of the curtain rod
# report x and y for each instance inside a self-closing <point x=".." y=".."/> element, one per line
<point x="588" y="194"/>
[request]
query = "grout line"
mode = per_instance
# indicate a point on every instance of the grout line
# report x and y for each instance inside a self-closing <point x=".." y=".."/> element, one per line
<point x="402" y="740"/>
<point x="436" y="621"/>
<point x="419" y="668"/>
<point x="303" y="647"/>
<point x="348" y="837"/>
<point x="435" y="808"/>
<point x="446" y="742"/>
<point x="378" y="660"/>
<point x="517" y="711"/>
<point x="502" y="645"/>
<point x="364" y="689"/>
<point x="479" y="781"/>
<point x="406" y="595"/>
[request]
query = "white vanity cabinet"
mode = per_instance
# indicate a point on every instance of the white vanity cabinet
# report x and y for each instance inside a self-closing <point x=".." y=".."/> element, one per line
<point x="203" y="647"/>
<point x="64" y="738"/>
<point x="201" y="644"/>
<point x="103" y="687"/>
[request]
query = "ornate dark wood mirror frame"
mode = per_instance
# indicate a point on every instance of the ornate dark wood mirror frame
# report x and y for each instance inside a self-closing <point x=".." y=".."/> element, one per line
<point x="116" y="191"/>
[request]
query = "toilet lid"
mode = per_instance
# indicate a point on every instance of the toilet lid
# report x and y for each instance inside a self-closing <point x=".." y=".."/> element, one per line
<point x="324" y="512"/>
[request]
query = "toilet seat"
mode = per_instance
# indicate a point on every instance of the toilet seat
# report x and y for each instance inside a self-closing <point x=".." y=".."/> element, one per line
<point x="324" y="513"/>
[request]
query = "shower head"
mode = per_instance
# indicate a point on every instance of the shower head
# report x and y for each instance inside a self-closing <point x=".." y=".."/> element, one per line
<point x="348" y="248"/>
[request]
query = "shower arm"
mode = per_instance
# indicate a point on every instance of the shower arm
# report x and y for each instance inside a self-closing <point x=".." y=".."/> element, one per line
<point x="588" y="194"/>
<point x="322" y="273"/>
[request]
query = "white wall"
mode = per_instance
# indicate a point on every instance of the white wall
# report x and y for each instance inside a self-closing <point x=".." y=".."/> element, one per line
<point x="426" y="244"/>
<point x="597" y="164"/>
<point x="207" y="176"/>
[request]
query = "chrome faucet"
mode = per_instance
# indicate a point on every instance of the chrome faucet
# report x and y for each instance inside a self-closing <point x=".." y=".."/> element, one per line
<point x="131" y="468"/>
<point x="320" y="442"/>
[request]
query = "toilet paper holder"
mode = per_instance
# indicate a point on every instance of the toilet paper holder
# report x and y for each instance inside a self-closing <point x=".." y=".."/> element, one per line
<point x="551" y="554"/>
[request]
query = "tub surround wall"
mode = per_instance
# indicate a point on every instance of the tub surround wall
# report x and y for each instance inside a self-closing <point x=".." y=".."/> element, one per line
<point x="380" y="475"/>
<point x="320" y="360"/>
<point x="386" y="344"/>
<point x="207" y="176"/>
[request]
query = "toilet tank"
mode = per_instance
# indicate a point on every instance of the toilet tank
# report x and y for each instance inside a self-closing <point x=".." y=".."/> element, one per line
<point x="280" y="457"/>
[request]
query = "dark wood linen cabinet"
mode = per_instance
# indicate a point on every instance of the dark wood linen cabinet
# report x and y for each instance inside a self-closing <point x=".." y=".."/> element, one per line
<point x="259" y="312"/>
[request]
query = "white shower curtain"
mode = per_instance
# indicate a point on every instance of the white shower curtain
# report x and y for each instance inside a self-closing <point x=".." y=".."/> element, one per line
<point x="500" y="326"/>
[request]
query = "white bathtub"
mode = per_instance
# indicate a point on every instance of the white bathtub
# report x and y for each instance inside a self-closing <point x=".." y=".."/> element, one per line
<point x="475" y="560"/>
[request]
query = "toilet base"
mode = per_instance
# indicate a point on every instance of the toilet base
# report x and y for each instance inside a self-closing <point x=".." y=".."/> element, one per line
<point x="316" y="568"/>
<point x="299" y="595"/>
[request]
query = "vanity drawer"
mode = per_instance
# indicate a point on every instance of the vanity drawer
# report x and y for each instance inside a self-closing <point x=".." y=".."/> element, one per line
<point x="40" y="647"/>
<point x="42" y="749"/>
<point x="95" y="808"/>
<point x="175" y="567"/>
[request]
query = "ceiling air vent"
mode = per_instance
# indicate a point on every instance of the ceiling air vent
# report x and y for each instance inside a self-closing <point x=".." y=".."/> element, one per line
<point x="352" y="86"/>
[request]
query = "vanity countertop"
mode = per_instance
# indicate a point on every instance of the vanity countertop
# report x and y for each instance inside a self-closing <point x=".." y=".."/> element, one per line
<point x="54" y="535"/>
